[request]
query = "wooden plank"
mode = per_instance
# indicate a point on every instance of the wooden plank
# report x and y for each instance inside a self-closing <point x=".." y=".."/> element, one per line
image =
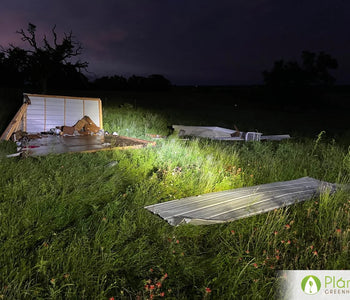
<point x="64" y="112"/>
<point x="67" y="97"/>
<point x="100" y="110"/>
<point x="15" y="123"/>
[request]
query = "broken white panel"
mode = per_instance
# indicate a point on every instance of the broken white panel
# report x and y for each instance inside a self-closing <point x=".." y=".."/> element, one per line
<point x="36" y="115"/>
<point x="244" y="136"/>
<point x="91" y="109"/>
<point x="204" y="131"/>
<point x="276" y="137"/>
<point x="54" y="113"/>
<point x="252" y="136"/>
<point x="217" y="133"/>
<point x="74" y="111"/>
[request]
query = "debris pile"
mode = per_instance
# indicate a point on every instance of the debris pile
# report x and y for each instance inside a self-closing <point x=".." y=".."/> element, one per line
<point x="155" y="136"/>
<point x="84" y="126"/>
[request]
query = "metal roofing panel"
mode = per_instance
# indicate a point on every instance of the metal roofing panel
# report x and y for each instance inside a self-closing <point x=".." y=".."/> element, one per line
<point x="238" y="203"/>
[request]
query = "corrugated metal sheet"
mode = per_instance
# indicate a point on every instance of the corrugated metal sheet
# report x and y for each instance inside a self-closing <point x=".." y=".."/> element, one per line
<point x="239" y="203"/>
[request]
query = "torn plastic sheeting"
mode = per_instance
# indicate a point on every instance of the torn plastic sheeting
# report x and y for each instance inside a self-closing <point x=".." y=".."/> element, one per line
<point x="231" y="205"/>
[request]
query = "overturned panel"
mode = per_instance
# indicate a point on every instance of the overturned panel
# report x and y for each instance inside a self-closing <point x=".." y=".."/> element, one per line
<point x="204" y="131"/>
<point x="224" y="134"/>
<point x="231" y="205"/>
<point x="216" y="133"/>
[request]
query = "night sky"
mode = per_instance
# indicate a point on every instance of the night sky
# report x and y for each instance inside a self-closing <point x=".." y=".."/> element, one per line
<point x="200" y="42"/>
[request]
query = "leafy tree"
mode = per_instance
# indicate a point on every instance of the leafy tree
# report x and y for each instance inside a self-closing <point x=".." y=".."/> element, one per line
<point x="153" y="82"/>
<point x="158" y="82"/>
<point x="12" y="67"/>
<point x="314" y="71"/>
<point x="46" y="64"/>
<point x="111" y="83"/>
<point x="293" y="85"/>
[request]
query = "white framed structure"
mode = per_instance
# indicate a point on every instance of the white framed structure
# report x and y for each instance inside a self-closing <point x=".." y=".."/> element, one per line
<point x="40" y="113"/>
<point x="47" y="111"/>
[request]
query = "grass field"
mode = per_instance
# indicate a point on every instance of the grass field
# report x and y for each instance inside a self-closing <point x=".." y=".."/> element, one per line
<point x="73" y="226"/>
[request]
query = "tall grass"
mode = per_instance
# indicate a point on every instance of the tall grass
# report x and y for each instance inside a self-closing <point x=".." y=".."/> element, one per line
<point x="73" y="226"/>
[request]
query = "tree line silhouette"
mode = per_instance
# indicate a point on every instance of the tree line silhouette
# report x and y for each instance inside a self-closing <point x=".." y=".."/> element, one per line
<point x="56" y="65"/>
<point x="299" y="85"/>
<point x="313" y="71"/>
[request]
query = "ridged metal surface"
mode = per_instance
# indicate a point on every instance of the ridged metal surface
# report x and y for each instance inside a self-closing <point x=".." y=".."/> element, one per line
<point x="239" y="203"/>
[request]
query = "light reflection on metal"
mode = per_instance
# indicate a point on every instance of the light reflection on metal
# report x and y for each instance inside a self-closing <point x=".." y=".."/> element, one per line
<point x="231" y="205"/>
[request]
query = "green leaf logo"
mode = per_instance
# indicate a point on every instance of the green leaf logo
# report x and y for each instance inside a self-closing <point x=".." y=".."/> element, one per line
<point x="311" y="285"/>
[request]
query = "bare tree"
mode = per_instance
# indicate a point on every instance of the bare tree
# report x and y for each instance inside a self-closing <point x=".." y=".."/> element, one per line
<point x="44" y="61"/>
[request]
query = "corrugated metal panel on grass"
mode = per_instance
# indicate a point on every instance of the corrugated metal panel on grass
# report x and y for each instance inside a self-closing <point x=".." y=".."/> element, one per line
<point x="239" y="203"/>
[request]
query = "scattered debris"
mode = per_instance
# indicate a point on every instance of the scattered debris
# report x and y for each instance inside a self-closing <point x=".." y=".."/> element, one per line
<point x="112" y="164"/>
<point x="86" y="125"/>
<point x="224" y="134"/>
<point x="17" y="123"/>
<point x="54" y="144"/>
<point x="69" y="124"/>
<point x="14" y="154"/>
<point x="277" y="137"/>
<point x="68" y="130"/>
<point x="231" y="205"/>
<point x="155" y="136"/>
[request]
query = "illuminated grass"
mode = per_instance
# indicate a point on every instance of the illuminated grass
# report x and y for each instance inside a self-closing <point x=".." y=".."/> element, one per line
<point x="73" y="226"/>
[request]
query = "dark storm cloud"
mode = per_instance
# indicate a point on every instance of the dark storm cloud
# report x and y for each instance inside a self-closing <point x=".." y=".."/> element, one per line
<point x="197" y="42"/>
